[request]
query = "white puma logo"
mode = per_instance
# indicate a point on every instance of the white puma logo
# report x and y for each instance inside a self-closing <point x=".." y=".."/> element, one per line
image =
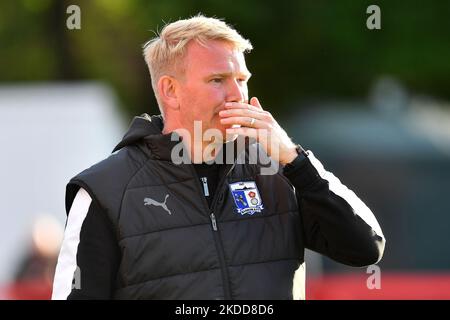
<point x="149" y="201"/>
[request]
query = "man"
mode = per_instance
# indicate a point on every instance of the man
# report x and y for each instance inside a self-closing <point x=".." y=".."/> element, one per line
<point x="143" y="225"/>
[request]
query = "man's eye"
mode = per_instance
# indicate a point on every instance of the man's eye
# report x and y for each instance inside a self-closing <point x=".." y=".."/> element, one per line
<point x="217" y="80"/>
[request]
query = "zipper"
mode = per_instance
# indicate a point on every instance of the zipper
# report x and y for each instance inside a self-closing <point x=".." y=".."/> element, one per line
<point x="217" y="238"/>
<point x="205" y="186"/>
<point x="213" y="221"/>
<point x="215" y="229"/>
<point x="219" y="246"/>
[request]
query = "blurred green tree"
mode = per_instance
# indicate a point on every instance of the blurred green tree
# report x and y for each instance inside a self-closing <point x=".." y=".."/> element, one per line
<point x="303" y="49"/>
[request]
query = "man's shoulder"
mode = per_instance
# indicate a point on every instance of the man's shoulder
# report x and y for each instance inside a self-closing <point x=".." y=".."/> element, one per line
<point x="119" y="164"/>
<point x="107" y="179"/>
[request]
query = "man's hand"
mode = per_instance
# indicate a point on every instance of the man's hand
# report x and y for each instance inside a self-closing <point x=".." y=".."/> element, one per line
<point x="254" y="120"/>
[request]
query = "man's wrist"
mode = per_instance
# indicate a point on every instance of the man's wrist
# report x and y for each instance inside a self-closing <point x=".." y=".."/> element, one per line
<point x="300" y="155"/>
<point x="290" y="156"/>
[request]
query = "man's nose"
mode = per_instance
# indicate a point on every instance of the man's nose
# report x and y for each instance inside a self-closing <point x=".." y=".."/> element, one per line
<point x="236" y="91"/>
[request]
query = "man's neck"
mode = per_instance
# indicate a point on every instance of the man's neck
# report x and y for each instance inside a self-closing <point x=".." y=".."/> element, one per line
<point x="198" y="150"/>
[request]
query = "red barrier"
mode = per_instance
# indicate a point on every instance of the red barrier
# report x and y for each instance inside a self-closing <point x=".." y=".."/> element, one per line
<point x="27" y="290"/>
<point x="394" y="286"/>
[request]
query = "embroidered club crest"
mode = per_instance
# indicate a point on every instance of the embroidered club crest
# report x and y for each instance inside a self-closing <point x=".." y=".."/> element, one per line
<point x="246" y="197"/>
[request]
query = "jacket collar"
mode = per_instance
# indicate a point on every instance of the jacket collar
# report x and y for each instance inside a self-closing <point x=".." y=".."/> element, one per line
<point x="149" y="129"/>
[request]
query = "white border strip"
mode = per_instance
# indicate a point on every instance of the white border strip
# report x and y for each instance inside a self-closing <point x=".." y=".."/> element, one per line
<point x="67" y="260"/>
<point x="348" y="195"/>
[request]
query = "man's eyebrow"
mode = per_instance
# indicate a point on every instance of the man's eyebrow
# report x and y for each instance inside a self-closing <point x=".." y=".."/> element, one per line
<point x="227" y="74"/>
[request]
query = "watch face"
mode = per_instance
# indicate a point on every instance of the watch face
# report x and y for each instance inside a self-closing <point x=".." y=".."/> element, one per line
<point x="301" y="151"/>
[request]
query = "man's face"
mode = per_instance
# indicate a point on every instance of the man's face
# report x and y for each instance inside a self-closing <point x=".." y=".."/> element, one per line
<point x="214" y="75"/>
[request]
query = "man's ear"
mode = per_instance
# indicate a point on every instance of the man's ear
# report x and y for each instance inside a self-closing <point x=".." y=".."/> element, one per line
<point x="167" y="89"/>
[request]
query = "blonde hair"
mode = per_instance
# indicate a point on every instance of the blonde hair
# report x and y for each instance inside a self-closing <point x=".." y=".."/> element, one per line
<point x="164" y="54"/>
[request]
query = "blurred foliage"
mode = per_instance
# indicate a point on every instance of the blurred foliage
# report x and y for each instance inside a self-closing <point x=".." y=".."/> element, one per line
<point x="303" y="49"/>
